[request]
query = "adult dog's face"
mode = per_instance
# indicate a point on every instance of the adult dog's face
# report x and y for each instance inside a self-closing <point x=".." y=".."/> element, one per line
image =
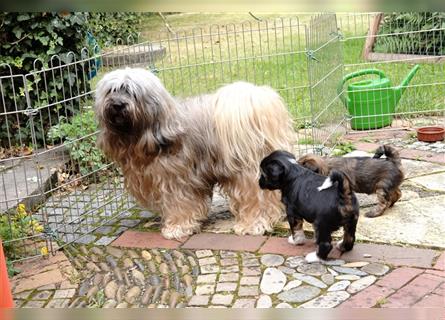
<point x="274" y="169"/>
<point x="127" y="101"/>
<point x="119" y="110"/>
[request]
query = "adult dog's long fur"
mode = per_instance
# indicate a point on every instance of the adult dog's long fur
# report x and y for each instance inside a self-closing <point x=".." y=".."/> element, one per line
<point x="173" y="152"/>
<point x="368" y="175"/>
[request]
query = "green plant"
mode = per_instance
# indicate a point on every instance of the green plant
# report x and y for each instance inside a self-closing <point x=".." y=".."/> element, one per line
<point x="30" y="43"/>
<point x="381" y="302"/>
<point x="342" y="148"/>
<point x="98" y="300"/>
<point x="79" y="136"/>
<point x="107" y="27"/>
<point x="401" y="40"/>
<point x="308" y="141"/>
<point x="16" y="226"/>
<point x="11" y="270"/>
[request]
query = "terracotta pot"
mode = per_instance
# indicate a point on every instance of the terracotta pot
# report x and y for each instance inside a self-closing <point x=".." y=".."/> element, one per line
<point x="430" y="134"/>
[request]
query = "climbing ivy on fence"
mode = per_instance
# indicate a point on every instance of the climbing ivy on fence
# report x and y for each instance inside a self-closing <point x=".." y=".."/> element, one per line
<point x="50" y="37"/>
<point x="25" y="37"/>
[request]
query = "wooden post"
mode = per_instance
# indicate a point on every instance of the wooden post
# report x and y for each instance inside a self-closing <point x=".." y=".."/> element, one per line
<point x="370" y="39"/>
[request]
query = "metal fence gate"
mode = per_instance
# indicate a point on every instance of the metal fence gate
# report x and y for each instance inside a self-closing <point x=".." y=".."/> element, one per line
<point x="67" y="187"/>
<point x="325" y="69"/>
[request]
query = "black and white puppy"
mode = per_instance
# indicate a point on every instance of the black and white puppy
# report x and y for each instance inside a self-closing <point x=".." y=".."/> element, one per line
<point x="327" y="203"/>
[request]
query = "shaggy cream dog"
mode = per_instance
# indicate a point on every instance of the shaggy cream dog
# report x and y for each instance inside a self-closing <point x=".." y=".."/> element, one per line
<point x="173" y="152"/>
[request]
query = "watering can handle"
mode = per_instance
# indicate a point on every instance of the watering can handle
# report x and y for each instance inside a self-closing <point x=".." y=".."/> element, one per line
<point x="354" y="75"/>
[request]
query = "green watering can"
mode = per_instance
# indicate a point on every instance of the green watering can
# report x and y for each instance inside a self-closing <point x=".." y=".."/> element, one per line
<point x="372" y="102"/>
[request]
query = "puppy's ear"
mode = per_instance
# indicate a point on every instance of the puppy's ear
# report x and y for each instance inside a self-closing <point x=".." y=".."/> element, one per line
<point x="315" y="164"/>
<point x="277" y="168"/>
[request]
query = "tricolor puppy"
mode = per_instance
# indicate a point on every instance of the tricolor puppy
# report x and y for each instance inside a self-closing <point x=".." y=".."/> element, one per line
<point x="327" y="203"/>
<point x="368" y="175"/>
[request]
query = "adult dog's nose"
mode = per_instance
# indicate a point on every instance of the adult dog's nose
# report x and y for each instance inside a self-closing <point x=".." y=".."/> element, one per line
<point x="117" y="106"/>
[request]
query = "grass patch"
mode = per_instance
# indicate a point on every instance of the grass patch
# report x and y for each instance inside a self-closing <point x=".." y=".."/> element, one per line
<point x="202" y="57"/>
<point x="309" y="140"/>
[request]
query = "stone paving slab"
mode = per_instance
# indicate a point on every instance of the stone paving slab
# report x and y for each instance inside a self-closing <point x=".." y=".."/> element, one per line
<point x="23" y="177"/>
<point x="43" y="272"/>
<point x="281" y="246"/>
<point x="414" y="222"/>
<point x="440" y="263"/>
<point x="415" y="168"/>
<point x="394" y="255"/>
<point x="224" y="242"/>
<point x="432" y="181"/>
<point x="138" y="239"/>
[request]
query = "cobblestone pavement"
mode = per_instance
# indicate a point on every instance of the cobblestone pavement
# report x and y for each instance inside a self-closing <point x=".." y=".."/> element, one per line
<point x="111" y="277"/>
<point x="413" y="143"/>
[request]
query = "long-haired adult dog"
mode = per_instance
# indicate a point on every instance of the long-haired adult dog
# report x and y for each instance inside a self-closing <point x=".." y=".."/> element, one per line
<point x="368" y="175"/>
<point x="173" y="152"/>
<point x="314" y="198"/>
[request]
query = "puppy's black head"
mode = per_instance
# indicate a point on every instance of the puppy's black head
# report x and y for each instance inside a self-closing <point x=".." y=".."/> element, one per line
<point x="274" y="169"/>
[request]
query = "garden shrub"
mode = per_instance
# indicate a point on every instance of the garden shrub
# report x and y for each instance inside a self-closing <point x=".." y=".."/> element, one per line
<point x="24" y="38"/>
<point x="107" y="27"/>
<point x="79" y="136"/>
<point x="422" y="43"/>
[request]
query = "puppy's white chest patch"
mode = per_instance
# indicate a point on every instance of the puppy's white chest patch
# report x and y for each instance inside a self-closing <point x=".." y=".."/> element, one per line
<point x="326" y="184"/>
<point x="293" y="161"/>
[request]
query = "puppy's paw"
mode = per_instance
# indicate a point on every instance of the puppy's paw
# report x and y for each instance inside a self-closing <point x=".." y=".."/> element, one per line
<point x="312" y="257"/>
<point x="339" y="245"/>
<point x="373" y="213"/>
<point x="291" y="240"/>
<point x="298" y="238"/>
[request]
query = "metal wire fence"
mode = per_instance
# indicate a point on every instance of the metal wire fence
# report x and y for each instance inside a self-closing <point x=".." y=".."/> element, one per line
<point x="49" y="162"/>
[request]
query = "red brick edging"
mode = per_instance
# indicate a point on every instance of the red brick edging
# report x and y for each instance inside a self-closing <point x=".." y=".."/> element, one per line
<point x="393" y="255"/>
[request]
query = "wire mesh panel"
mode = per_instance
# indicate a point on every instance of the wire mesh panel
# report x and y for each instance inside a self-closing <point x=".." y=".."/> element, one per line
<point x="325" y="68"/>
<point x="272" y="53"/>
<point x="57" y="186"/>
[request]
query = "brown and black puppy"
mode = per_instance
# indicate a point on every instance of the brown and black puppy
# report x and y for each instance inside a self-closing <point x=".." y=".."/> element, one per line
<point x="368" y="175"/>
<point x="327" y="203"/>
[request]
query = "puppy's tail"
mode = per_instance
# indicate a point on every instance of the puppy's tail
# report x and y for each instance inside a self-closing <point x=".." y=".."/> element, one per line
<point x="391" y="154"/>
<point x="344" y="188"/>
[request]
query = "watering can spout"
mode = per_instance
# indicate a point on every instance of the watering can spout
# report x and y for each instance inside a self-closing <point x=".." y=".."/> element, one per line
<point x="401" y="88"/>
